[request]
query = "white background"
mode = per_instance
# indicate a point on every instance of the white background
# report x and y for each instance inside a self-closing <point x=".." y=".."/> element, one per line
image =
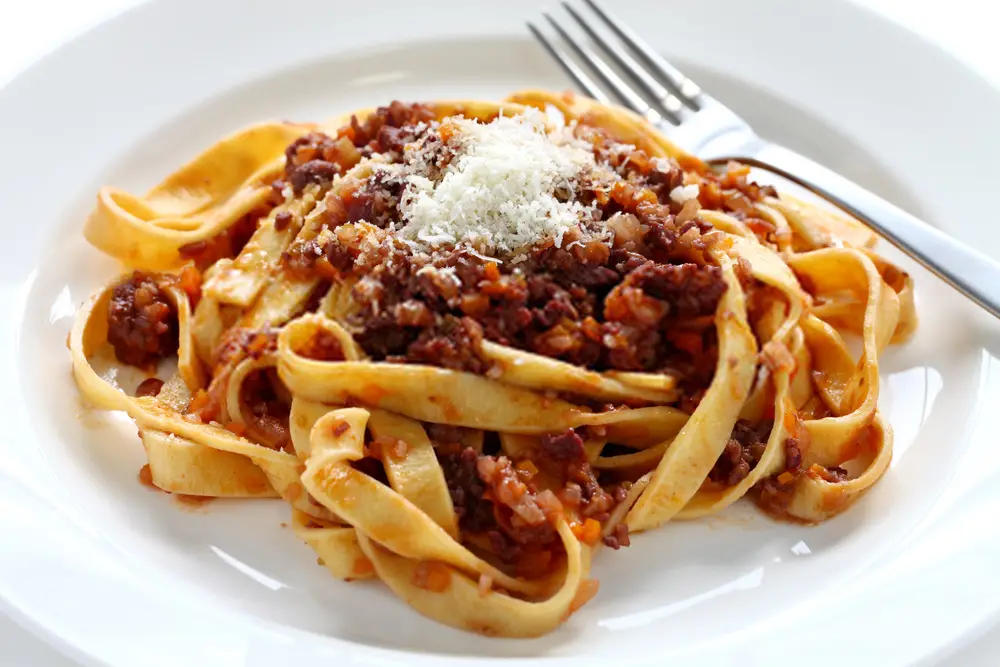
<point x="29" y="29"/>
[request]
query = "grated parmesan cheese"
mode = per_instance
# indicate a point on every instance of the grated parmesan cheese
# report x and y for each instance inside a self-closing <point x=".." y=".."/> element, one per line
<point x="445" y="271"/>
<point x="498" y="193"/>
<point x="661" y="164"/>
<point x="684" y="193"/>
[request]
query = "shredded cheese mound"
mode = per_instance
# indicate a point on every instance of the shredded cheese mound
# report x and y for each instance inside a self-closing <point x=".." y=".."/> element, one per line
<point x="509" y="185"/>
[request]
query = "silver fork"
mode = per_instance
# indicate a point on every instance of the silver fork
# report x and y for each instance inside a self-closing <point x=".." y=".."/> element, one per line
<point x="700" y="124"/>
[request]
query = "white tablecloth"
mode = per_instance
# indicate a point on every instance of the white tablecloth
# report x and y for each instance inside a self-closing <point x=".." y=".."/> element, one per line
<point x="28" y="30"/>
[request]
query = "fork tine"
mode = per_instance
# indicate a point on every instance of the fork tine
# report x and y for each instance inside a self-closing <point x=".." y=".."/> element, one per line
<point x="629" y="97"/>
<point x="669" y="102"/>
<point x="585" y="82"/>
<point x="687" y="89"/>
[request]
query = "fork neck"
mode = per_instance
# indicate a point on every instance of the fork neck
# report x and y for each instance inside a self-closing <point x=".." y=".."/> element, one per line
<point x="713" y="133"/>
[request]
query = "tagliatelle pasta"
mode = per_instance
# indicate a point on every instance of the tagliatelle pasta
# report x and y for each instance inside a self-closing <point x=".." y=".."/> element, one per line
<point x="471" y="343"/>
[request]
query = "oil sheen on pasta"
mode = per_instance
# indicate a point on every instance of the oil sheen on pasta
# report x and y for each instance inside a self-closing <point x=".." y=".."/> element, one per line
<point x="471" y="344"/>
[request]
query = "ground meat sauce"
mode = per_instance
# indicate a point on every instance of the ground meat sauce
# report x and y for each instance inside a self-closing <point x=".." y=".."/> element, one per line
<point x="317" y="157"/>
<point x="743" y="450"/>
<point x="238" y="343"/>
<point x="323" y="346"/>
<point x="142" y="322"/>
<point x="446" y="434"/>
<point x="633" y="314"/>
<point x="499" y="501"/>
<point x="773" y="494"/>
<point x="268" y="410"/>
<point x="499" y="506"/>
<point x="525" y="514"/>
<point x="564" y="455"/>
<point x="642" y="297"/>
<point x="475" y="513"/>
<point x="235" y="345"/>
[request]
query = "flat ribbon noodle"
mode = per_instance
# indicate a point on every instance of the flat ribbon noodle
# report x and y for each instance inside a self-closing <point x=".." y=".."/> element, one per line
<point x="194" y="203"/>
<point x="179" y="465"/>
<point x="533" y="371"/>
<point x="443" y="396"/>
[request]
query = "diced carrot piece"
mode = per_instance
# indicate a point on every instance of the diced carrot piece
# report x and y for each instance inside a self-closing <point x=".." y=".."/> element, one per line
<point x="432" y="575"/>
<point x="191" y="283"/>
<point x="199" y="401"/>
<point x="491" y="272"/>
<point x="527" y="467"/>
<point x="588" y="532"/>
<point x="258" y="344"/>
<point x="236" y="428"/>
<point x="786" y="478"/>
<point x="447" y="131"/>
<point x="362" y="567"/>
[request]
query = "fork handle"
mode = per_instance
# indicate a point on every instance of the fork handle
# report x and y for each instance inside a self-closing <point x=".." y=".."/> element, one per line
<point x="972" y="273"/>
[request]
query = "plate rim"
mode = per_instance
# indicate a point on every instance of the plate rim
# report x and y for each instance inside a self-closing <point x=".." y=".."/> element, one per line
<point x="51" y="636"/>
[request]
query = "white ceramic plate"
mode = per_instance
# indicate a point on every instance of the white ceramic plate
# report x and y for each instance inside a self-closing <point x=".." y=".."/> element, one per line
<point x="115" y="574"/>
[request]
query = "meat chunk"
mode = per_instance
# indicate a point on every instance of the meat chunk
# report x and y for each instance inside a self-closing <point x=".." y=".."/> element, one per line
<point x="454" y="344"/>
<point x="142" y="322"/>
<point x="688" y="289"/>
<point x="564" y="454"/>
<point x="493" y="500"/>
<point x="475" y="513"/>
<point x="743" y="450"/>
<point x="526" y="514"/>
<point x="318" y="158"/>
<point x="149" y="387"/>
<point x="566" y="446"/>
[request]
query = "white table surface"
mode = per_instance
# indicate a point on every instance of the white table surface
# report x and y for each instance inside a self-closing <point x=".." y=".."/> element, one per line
<point x="29" y="29"/>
